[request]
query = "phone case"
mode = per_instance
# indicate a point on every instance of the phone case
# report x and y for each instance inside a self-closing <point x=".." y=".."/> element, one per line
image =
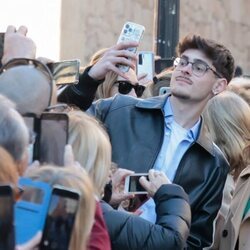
<point x="146" y="64"/>
<point x="130" y="32"/>
<point x="29" y="213"/>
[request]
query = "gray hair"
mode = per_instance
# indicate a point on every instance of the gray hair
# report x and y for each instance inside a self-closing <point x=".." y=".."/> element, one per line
<point x="14" y="135"/>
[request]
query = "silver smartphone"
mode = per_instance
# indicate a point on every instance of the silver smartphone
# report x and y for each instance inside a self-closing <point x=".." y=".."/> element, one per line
<point x="132" y="184"/>
<point x="146" y="64"/>
<point x="130" y="32"/>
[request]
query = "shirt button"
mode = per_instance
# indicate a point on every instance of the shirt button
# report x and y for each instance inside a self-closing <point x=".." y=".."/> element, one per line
<point x="224" y="233"/>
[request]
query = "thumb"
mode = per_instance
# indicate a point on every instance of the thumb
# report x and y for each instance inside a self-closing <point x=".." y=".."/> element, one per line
<point x="144" y="182"/>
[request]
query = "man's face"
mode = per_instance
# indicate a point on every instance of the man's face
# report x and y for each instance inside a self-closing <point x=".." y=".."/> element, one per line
<point x="185" y="83"/>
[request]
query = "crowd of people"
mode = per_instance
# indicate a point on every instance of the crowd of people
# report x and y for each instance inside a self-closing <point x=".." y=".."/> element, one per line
<point x="193" y="141"/>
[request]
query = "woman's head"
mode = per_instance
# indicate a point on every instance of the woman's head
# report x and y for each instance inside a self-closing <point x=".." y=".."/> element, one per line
<point x="114" y="84"/>
<point x="228" y="121"/>
<point x="91" y="147"/>
<point x="78" y="179"/>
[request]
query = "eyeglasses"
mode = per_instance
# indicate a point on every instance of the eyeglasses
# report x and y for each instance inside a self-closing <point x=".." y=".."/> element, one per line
<point x="124" y="87"/>
<point x="32" y="62"/>
<point x="199" y="67"/>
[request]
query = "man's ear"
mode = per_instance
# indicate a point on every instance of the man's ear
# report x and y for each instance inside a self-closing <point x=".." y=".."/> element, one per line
<point x="219" y="86"/>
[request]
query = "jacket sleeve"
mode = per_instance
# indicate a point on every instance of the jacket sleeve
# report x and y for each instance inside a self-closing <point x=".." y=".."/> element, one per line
<point x="201" y="232"/>
<point x="129" y="231"/>
<point x="82" y="94"/>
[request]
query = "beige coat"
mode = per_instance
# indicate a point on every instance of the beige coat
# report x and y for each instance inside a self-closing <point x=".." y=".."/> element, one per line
<point x="234" y="226"/>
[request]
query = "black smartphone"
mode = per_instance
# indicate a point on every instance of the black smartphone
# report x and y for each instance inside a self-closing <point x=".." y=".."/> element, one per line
<point x="53" y="137"/>
<point x="1" y="47"/>
<point x="60" y="219"/>
<point x="65" y="72"/>
<point x="7" y="231"/>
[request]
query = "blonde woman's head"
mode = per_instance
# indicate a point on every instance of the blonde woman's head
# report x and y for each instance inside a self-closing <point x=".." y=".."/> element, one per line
<point x="91" y="147"/>
<point x="227" y="117"/>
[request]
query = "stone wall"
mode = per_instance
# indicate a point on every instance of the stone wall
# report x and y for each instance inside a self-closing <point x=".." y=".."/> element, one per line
<point x="226" y="21"/>
<point x="88" y="25"/>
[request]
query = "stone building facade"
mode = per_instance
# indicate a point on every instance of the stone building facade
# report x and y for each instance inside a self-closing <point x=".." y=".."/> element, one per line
<point x="89" y="25"/>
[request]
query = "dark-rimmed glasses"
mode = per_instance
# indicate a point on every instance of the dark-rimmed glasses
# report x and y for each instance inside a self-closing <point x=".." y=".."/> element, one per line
<point x="124" y="87"/>
<point x="32" y="62"/>
<point x="199" y="67"/>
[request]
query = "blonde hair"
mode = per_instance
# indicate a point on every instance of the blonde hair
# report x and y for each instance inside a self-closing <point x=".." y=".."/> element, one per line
<point x="227" y="117"/>
<point x="241" y="86"/>
<point x="91" y="147"/>
<point x="77" y="179"/>
<point x="104" y="89"/>
<point x="97" y="56"/>
<point x="8" y="168"/>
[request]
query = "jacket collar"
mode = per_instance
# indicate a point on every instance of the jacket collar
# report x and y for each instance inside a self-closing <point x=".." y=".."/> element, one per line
<point x="158" y="103"/>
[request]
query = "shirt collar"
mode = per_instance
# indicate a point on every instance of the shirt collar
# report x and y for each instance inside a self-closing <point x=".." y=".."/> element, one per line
<point x="169" y="117"/>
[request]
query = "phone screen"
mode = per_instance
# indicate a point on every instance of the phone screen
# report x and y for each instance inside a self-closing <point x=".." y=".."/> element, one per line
<point x="65" y="72"/>
<point x="53" y="138"/>
<point x="60" y="219"/>
<point x="134" y="184"/>
<point x="7" y="232"/>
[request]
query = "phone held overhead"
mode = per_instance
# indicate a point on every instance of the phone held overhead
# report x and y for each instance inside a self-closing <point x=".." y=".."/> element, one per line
<point x="130" y="32"/>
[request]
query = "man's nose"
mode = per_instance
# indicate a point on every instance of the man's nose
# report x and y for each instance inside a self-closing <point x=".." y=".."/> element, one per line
<point x="187" y="69"/>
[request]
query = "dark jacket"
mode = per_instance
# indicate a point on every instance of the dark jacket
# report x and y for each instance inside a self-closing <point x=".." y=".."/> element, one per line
<point x="136" y="130"/>
<point x="128" y="231"/>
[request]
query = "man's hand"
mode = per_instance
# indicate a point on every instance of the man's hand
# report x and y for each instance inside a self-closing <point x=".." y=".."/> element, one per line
<point x="17" y="45"/>
<point x="156" y="179"/>
<point x="118" y="180"/>
<point x="115" y="55"/>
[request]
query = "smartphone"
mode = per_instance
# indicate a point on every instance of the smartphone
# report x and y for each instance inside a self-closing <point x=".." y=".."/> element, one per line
<point x="31" y="209"/>
<point x="53" y="138"/>
<point x="164" y="90"/>
<point x="60" y="219"/>
<point x="130" y="32"/>
<point x="65" y="72"/>
<point x="7" y="231"/>
<point x="132" y="184"/>
<point x="146" y="64"/>
<point x="1" y="46"/>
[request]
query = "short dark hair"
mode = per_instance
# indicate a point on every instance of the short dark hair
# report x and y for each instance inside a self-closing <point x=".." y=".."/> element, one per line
<point x="221" y="57"/>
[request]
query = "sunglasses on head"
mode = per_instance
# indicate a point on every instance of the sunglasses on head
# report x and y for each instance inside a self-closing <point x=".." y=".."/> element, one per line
<point x="124" y="87"/>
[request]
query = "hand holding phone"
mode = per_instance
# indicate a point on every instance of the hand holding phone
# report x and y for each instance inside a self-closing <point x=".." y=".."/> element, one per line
<point x="130" y="32"/>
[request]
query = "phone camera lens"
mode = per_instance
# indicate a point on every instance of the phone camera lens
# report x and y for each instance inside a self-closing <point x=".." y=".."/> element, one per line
<point x="127" y="26"/>
<point x="130" y="30"/>
<point x="125" y="31"/>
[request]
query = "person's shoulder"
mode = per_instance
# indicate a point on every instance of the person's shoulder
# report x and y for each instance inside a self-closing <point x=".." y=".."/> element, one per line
<point x="119" y="101"/>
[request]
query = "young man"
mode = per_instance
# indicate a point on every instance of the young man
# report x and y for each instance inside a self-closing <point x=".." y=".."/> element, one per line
<point x="166" y="132"/>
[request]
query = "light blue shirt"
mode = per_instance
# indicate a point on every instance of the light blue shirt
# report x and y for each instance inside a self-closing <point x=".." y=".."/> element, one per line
<point x="176" y="141"/>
